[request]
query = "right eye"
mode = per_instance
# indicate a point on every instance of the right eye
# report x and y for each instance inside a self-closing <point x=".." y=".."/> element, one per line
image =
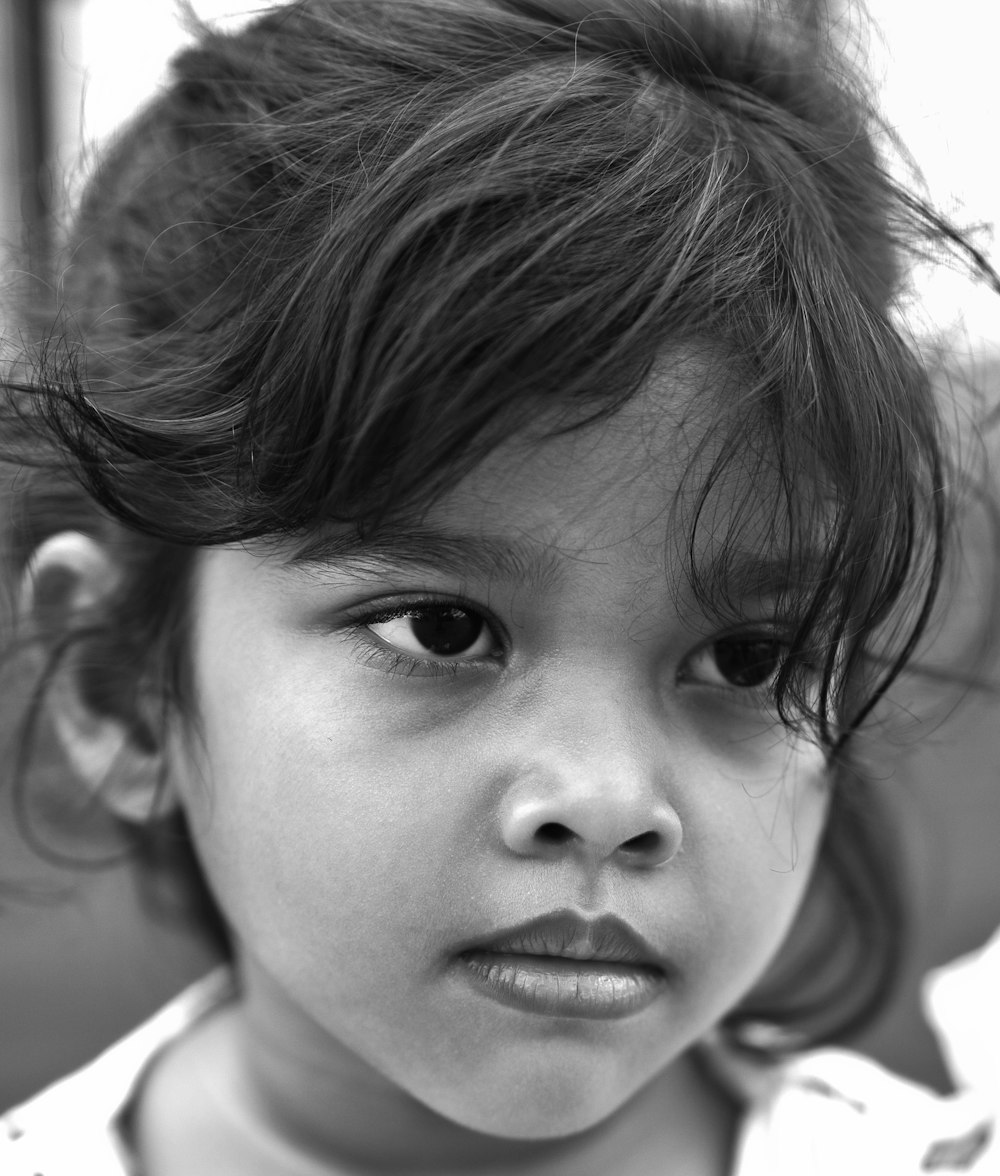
<point x="741" y="661"/>
<point x="435" y="632"/>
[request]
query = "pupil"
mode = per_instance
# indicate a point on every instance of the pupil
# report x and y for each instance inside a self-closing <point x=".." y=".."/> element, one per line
<point x="748" y="663"/>
<point x="446" y="631"/>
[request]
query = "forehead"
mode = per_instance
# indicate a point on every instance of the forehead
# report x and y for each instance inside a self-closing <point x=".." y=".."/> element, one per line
<point x="568" y="489"/>
<point x="569" y="459"/>
<point x="636" y="457"/>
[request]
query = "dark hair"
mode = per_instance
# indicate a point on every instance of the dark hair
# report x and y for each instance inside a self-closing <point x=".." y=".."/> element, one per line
<point x="353" y="247"/>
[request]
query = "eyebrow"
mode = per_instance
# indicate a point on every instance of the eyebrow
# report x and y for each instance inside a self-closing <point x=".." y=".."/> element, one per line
<point x="736" y="575"/>
<point x="746" y="575"/>
<point x="484" y="557"/>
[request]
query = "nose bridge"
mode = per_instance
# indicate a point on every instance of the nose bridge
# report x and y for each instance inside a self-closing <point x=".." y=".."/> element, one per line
<point x="591" y="778"/>
<point x="599" y="730"/>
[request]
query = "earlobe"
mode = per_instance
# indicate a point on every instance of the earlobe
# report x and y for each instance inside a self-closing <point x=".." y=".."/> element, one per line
<point x="70" y="576"/>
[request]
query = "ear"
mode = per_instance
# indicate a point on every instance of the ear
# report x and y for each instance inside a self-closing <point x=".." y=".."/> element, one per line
<point x="112" y="754"/>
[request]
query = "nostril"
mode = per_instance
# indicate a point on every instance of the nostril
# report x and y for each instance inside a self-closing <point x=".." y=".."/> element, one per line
<point x="552" y="833"/>
<point x="643" y="844"/>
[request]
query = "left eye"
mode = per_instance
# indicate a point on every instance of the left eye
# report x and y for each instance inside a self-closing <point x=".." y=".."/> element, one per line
<point x="737" y="662"/>
<point x="438" y="631"/>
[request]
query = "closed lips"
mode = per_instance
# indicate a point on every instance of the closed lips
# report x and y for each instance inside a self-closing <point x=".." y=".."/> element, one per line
<point x="562" y="965"/>
<point x="566" y="935"/>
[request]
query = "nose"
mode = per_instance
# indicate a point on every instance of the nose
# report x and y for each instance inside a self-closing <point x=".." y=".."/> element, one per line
<point x="602" y="799"/>
<point x="550" y="829"/>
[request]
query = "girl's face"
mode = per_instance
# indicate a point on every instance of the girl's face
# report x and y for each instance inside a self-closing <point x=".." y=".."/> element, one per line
<point x="407" y="750"/>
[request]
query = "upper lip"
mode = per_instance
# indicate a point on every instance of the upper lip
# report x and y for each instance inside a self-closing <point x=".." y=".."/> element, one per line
<point x="571" y="936"/>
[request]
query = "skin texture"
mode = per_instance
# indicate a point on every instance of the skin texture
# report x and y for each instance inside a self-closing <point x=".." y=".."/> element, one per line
<point x="362" y="815"/>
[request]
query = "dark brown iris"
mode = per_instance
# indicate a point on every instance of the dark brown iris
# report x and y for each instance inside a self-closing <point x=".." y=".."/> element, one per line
<point x="748" y="662"/>
<point x="446" y="631"/>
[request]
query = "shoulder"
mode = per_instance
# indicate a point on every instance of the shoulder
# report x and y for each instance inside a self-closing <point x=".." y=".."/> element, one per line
<point x="75" y="1125"/>
<point x="963" y="1007"/>
<point x="833" y="1111"/>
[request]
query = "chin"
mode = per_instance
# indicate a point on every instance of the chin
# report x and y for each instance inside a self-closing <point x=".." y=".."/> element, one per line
<point x="538" y="1106"/>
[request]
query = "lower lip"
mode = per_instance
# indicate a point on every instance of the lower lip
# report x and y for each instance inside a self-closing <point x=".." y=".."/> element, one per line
<point x="553" y="986"/>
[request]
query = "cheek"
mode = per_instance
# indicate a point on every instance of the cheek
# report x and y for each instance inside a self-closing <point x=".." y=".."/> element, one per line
<point x="305" y="820"/>
<point x="758" y="869"/>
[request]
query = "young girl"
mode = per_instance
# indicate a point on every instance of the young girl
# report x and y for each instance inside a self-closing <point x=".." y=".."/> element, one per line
<point x="475" y="494"/>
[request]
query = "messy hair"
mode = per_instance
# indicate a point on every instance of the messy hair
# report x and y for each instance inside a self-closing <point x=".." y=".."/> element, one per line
<point x="350" y="249"/>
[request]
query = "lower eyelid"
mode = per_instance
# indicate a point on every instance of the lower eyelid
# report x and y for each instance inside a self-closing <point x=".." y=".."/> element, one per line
<point x="376" y="652"/>
<point x="378" y="655"/>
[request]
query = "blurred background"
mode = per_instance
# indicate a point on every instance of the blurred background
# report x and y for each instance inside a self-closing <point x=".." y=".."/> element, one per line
<point x="80" y="960"/>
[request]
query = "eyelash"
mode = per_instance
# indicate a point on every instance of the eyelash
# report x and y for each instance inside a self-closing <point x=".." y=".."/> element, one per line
<point x="778" y="643"/>
<point x="373" y="651"/>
